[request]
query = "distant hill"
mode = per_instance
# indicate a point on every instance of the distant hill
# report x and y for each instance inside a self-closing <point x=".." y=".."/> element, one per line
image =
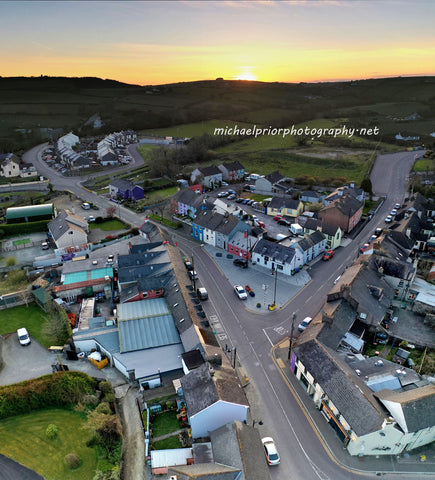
<point x="31" y="106"/>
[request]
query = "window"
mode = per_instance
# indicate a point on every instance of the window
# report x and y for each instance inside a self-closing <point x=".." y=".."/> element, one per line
<point x="280" y="267"/>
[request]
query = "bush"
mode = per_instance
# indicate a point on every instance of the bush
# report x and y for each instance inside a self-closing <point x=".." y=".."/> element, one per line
<point x="56" y="390"/>
<point x="29" y="227"/>
<point x="11" y="261"/>
<point x="90" y="399"/>
<point x="105" y="386"/>
<point x="110" y="397"/>
<point x="51" y="431"/>
<point x="104" y="407"/>
<point x="72" y="460"/>
<point x="99" y="220"/>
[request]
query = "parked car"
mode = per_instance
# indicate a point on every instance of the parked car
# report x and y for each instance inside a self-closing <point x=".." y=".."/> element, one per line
<point x="240" y="292"/>
<point x="239" y="200"/>
<point x="378" y="231"/>
<point x="245" y="201"/>
<point x="222" y="194"/>
<point x="193" y="275"/>
<point x="23" y="336"/>
<point x="304" y="324"/>
<point x="397" y="206"/>
<point x="261" y="224"/>
<point x="231" y="196"/>
<point x="364" y="247"/>
<point x="231" y="192"/>
<point x="45" y="246"/>
<point x="188" y="264"/>
<point x="271" y="452"/>
<point x="241" y="262"/>
<point x="328" y="255"/>
<point x="91" y="219"/>
<point x="393" y="212"/>
<point x="388" y="219"/>
<point x="277" y="217"/>
<point x="202" y="293"/>
<point x="373" y="237"/>
<point x="283" y="221"/>
<point x="250" y="202"/>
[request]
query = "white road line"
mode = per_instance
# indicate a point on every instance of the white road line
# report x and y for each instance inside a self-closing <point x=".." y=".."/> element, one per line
<point x="267" y="336"/>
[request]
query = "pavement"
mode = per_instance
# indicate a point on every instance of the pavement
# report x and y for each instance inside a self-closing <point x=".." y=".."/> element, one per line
<point x="261" y="281"/>
<point x="409" y="462"/>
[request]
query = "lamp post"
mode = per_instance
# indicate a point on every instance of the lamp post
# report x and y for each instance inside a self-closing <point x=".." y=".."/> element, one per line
<point x="290" y="346"/>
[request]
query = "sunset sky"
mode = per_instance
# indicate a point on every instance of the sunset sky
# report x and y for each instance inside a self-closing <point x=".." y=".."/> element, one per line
<point x="166" y="42"/>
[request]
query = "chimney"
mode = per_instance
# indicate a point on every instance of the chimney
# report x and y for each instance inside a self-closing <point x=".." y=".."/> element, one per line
<point x="352" y="185"/>
<point x="340" y="193"/>
<point x="327" y="319"/>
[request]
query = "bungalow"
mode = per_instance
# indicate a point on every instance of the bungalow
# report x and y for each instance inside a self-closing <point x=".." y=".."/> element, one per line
<point x="285" y="206"/>
<point x="212" y="401"/>
<point x="216" y="229"/>
<point x="210" y="177"/>
<point x="232" y="171"/>
<point x="125" y="189"/>
<point x="344" y="212"/>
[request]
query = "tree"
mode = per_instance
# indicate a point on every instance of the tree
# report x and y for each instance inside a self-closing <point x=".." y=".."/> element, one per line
<point x="56" y="325"/>
<point x="11" y="261"/>
<point x="111" y="211"/>
<point x="366" y="185"/>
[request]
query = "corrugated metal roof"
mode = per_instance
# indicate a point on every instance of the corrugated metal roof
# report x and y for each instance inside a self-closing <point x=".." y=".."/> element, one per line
<point x="29" y="211"/>
<point x="147" y="332"/>
<point x="170" y="457"/>
<point x="76" y="277"/>
<point x="145" y="308"/>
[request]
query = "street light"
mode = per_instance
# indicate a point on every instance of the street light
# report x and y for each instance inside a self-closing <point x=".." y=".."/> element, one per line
<point x="291" y="336"/>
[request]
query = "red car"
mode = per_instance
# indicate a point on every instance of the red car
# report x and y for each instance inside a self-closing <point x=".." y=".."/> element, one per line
<point x="328" y="254"/>
<point x="261" y="224"/>
<point x="277" y="217"/>
<point x="364" y="247"/>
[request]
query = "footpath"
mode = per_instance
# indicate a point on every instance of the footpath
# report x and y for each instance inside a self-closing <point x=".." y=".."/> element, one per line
<point x="419" y="461"/>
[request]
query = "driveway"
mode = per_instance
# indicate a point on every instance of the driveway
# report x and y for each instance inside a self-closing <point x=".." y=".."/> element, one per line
<point x="10" y="470"/>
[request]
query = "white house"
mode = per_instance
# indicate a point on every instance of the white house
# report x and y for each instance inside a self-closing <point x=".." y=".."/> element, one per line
<point x="213" y="397"/>
<point x="10" y="165"/>
<point x="68" y="230"/>
<point x="276" y="257"/>
<point x="210" y="177"/>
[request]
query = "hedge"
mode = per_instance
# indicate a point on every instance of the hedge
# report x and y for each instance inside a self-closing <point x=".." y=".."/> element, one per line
<point x="55" y="390"/>
<point x="29" y="227"/>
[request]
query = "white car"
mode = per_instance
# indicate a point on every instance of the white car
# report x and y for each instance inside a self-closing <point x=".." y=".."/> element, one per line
<point x="240" y="292"/>
<point x="91" y="219"/>
<point x="397" y="206"/>
<point x="388" y="219"/>
<point x="272" y="456"/>
<point x="304" y="324"/>
<point x="23" y="336"/>
<point x="393" y="212"/>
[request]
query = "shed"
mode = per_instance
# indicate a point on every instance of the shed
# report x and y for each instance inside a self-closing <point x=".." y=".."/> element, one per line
<point x="30" y="213"/>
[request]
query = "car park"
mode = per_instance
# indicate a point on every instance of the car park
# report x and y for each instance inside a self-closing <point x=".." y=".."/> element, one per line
<point x="240" y="292"/>
<point x="271" y="452"/>
<point x="304" y="324"/>
<point x="388" y="219"/>
<point x="23" y="336"/>
<point x="328" y="255"/>
<point x="241" y="262"/>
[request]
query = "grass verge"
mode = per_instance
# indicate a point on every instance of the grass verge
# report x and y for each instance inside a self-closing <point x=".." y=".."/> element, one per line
<point x="109" y="225"/>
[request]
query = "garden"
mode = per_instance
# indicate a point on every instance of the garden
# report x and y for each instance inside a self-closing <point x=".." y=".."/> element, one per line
<point x="72" y="431"/>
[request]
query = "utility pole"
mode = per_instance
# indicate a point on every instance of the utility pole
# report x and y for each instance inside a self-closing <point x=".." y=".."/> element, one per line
<point x="290" y="347"/>
<point x="193" y="274"/>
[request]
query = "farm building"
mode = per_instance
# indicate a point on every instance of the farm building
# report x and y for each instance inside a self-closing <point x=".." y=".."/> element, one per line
<point x="30" y="213"/>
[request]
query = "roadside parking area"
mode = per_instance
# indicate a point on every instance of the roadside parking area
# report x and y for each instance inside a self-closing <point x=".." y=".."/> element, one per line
<point x="260" y="280"/>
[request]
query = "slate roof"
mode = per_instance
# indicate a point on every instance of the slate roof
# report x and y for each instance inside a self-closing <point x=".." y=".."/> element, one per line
<point x="392" y="267"/>
<point x="355" y="407"/>
<point x="348" y="191"/>
<point x="329" y="229"/>
<point x="59" y="225"/>
<point x="232" y="166"/>
<point x="201" y="390"/>
<point x="274" y="177"/>
<point x="144" y="247"/>
<point x="193" y="359"/>
<point x="273" y="250"/>
<point x="286" y="202"/>
<point x="311" y="223"/>
<point x="131" y="274"/>
<point x="342" y="320"/>
<point x="209" y="171"/>
<point x="418" y="406"/>
<point x="144" y="285"/>
<point x="240" y="446"/>
<point x="310" y="193"/>
<point x="146" y="258"/>
<point x="347" y="205"/>
<point x="217" y="222"/>
<point x="151" y="231"/>
<point x="122" y="184"/>
<point x="189" y="197"/>
<point x="316" y="237"/>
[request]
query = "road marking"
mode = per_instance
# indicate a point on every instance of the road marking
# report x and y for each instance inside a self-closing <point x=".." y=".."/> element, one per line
<point x="267" y="336"/>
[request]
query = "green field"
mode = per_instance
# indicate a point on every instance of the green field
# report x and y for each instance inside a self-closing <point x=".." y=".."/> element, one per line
<point x="194" y="129"/>
<point x="30" y="317"/>
<point x="423" y="165"/>
<point x="24" y="440"/>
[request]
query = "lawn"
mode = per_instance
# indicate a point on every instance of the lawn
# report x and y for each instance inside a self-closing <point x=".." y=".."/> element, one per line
<point x="24" y="440"/>
<point x="31" y="317"/>
<point x="164" y="423"/>
<point x="22" y="241"/>
<point x="109" y="225"/>
<point x="167" y="443"/>
<point x="423" y="165"/>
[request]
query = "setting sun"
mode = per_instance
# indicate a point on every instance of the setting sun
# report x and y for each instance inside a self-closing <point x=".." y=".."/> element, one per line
<point x="246" y="74"/>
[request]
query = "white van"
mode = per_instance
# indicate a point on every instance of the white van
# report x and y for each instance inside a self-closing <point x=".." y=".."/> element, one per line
<point x="23" y="336"/>
<point x="304" y="324"/>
